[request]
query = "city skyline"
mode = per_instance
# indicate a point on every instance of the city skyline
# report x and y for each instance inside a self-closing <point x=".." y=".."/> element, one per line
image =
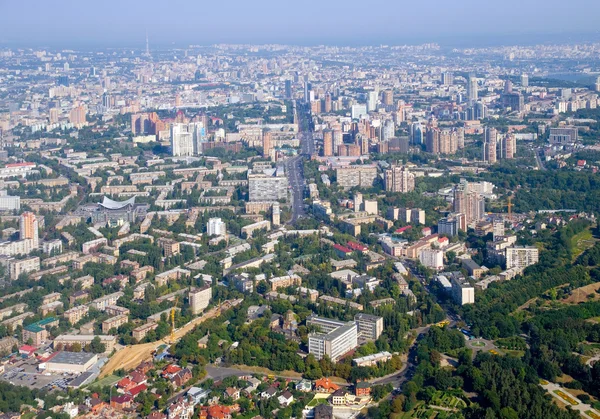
<point x="66" y="24"/>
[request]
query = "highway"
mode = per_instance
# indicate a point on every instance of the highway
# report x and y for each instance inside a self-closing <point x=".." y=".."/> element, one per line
<point x="294" y="166"/>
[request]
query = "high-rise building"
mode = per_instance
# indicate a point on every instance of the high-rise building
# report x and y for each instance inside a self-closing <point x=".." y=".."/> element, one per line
<point x="267" y="144"/>
<point x="388" y="97"/>
<point x="288" y="89"/>
<point x="563" y="135"/>
<point x="490" y="141"/>
<point x="514" y="101"/>
<point x="508" y="146"/>
<point x="372" y="101"/>
<point x="216" y="227"/>
<point x="524" y="80"/>
<point x="468" y="202"/>
<point x="199" y="298"/>
<point x="77" y="115"/>
<point x="29" y="228"/>
<point x="328" y="143"/>
<point x="416" y="133"/>
<point x="399" y="179"/>
<point x="472" y="89"/>
<point x="447" y="78"/>
<point x="598" y="84"/>
<point x="369" y="326"/>
<point x="358" y="111"/>
<point x="338" y="140"/>
<point x="182" y="141"/>
<point x="327" y="103"/>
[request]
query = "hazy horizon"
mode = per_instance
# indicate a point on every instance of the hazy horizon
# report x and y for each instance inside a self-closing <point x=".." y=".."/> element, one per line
<point x="65" y="24"/>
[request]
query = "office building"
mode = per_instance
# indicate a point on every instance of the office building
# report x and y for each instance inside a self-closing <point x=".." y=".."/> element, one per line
<point x="490" y="139"/>
<point x="288" y="89"/>
<point x="521" y="256"/>
<point x="271" y="185"/>
<point x="388" y="97"/>
<point x="216" y="227"/>
<point x="335" y="343"/>
<point x="199" y="299"/>
<point x="369" y="326"/>
<point x="462" y="291"/>
<point x="563" y="135"/>
<point x="449" y="226"/>
<point x="399" y="179"/>
<point x="524" y="80"/>
<point x="514" y="101"/>
<point x="9" y="203"/>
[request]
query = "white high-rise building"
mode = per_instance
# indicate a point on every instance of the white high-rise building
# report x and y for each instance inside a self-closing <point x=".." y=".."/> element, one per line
<point x="216" y="227"/>
<point x="372" y="101"/>
<point x="521" y="256"/>
<point x="472" y="90"/>
<point x="182" y="141"/>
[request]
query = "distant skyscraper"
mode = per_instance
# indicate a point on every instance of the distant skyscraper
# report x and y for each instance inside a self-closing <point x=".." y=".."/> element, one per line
<point x="507" y="86"/>
<point x="447" y="78"/>
<point x="28" y="225"/>
<point x="288" y="89"/>
<point x="490" y="141"/>
<point x="388" y="97"/>
<point x="598" y="84"/>
<point x="372" y="102"/>
<point x="416" y="133"/>
<point x="327" y="103"/>
<point x="267" y="143"/>
<point x="524" y="80"/>
<point x="328" y="143"/>
<point x="472" y="89"/>
<point x="508" y="146"/>
<point x="77" y="115"/>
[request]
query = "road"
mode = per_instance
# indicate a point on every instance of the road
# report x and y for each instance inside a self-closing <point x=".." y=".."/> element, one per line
<point x="540" y="163"/>
<point x="294" y="167"/>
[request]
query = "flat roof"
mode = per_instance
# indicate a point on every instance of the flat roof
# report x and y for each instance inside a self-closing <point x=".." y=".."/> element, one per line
<point x="72" y="358"/>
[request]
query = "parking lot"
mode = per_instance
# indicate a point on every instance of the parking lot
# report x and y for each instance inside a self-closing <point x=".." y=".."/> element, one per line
<point x="25" y="373"/>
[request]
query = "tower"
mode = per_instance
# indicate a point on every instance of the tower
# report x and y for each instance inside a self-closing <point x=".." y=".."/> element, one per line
<point x="147" y="45"/>
<point x="327" y="143"/>
<point x="489" y="145"/>
<point x="472" y="92"/>
<point x="267" y="145"/>
<point x="29" y="228"/>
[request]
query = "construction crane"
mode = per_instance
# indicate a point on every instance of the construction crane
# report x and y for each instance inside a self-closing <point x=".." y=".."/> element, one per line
<point x="173" y="320"/>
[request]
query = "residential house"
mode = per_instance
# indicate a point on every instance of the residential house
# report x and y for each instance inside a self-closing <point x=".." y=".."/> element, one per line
<point x="285" y="399"/>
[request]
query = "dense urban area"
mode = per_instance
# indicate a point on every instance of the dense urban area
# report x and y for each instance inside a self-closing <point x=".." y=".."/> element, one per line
<point x="272" y="231"/>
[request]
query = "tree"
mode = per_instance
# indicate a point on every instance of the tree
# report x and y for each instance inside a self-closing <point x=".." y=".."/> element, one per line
<point x="96" y="346"/>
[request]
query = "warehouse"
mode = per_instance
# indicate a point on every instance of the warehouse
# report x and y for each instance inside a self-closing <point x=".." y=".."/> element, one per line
<point x="72" y="362"/>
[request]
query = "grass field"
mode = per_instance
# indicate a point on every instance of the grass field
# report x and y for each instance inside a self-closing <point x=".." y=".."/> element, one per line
<point x="109" y="380"/>
<point x="581" y="242"/>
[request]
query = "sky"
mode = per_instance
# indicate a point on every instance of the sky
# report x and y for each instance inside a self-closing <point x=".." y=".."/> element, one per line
<point x="123" y="23"/>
